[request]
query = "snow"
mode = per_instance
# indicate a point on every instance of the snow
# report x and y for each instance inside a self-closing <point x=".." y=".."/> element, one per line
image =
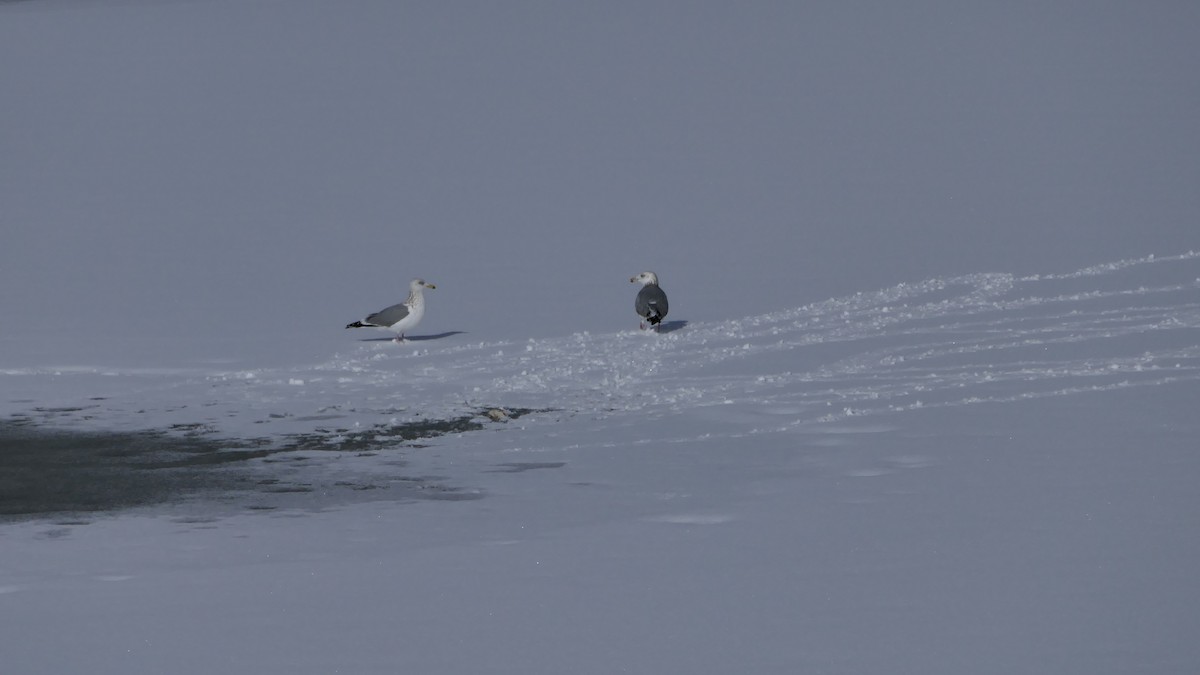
<point x="957" y="434"/>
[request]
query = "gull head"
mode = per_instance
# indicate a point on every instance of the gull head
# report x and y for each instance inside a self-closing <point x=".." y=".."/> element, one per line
<point x="645" y="279"/>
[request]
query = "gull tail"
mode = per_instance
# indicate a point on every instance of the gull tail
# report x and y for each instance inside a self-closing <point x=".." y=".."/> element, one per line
<point x="358" y="324"/>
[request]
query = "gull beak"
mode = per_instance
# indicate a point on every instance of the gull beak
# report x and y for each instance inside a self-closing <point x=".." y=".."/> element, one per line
<point x="633" y="280"/>
<point x="429" y="285"/>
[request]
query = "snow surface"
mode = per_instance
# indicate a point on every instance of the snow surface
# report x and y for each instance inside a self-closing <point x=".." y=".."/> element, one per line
<point x="957" y="435"/>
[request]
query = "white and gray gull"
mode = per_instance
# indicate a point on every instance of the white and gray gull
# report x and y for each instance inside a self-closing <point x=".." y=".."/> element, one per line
<point x="651" y="301"/>
<point x="400" y="318"/>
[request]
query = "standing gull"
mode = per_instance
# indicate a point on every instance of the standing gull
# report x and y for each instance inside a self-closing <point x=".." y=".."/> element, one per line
<point x="651" y="302"/>
<point x="402" y="317"/>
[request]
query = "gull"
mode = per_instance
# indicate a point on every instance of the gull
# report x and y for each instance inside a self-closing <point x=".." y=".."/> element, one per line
<point x="400" y="318"/>
<point x="651" y="301"/>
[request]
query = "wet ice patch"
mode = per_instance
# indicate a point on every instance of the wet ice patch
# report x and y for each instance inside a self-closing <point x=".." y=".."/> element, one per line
<point x="47" y="470"/>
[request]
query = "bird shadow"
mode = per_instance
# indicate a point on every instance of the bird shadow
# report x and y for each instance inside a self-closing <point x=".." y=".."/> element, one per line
<point x="417" y="338"/>
<point x="671" y="326"/>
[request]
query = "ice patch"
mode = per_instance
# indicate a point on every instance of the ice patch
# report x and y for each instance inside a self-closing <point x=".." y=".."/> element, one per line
<point x="693" y="519"/>
<point x="868" y="473"/>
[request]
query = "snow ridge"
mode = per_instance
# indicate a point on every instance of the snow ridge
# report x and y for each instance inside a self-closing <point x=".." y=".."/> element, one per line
<point x="974" y="339"/>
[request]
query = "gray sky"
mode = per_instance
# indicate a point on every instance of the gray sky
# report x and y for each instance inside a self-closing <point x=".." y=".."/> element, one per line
<point x="167" y="169"/>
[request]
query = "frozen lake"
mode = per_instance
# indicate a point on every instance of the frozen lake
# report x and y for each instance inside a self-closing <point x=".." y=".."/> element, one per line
<point x="925" y="404"/>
